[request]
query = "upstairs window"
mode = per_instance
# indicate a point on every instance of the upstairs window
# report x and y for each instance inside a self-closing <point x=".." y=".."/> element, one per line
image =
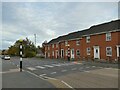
<point x="108" y="51"/>
<point x="57" y="45"/>
<point x="52" y="45"/>
<point x="88" y="39"/>
<point x="66" y="43"/>
<point x="88" y="51"/>
<point x="108" y="36"/>
<point x="77" y="42"/>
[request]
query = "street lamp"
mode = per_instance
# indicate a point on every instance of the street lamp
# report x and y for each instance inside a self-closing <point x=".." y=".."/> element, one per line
<point x="68" y="55"/>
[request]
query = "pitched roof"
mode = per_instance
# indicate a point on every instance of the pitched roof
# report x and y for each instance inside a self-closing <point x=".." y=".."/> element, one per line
<point x="105" y="27"/>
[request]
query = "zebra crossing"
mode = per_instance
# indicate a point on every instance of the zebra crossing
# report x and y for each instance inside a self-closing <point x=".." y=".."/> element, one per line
<point x="50" y="66"/>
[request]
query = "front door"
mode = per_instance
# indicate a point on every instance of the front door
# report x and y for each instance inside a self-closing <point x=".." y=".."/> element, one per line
<point x="72" y="53"/>
<point x="118" y="51"/>
<point x="62" y="53"/>
<point x="96" y="52"/>
<point x="56" y="53"/>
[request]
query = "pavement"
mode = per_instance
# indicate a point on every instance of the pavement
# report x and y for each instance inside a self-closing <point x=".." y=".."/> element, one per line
<point x="49" y="73"/>
<point x="13" y="78"/>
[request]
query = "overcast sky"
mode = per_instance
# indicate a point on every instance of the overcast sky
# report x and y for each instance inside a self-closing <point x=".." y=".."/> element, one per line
<point x="49" y="19"/>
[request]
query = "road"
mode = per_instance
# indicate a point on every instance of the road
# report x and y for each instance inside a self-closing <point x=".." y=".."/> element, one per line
<point x="47" y="73"/>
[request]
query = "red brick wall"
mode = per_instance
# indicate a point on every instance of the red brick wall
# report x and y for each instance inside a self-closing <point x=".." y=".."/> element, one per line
<point x="95" y="40"/>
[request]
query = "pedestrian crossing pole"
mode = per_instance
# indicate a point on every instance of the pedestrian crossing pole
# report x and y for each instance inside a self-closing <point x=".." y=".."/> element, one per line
<point x="68" y="52"/>
<point x="21" y="55"/>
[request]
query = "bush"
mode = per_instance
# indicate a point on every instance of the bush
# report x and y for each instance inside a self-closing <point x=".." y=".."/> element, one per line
<point x="30" y="54"/>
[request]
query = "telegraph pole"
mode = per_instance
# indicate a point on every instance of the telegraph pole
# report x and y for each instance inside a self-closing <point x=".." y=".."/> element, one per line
<point x="35" y="44"/>
<point x="35" y="39"/>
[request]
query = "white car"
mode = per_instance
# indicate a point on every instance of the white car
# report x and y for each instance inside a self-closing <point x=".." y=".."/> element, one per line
<point x="6" y="57"/>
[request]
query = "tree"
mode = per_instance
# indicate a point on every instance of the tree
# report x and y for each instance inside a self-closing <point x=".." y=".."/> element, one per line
<point x="29" y="49"/>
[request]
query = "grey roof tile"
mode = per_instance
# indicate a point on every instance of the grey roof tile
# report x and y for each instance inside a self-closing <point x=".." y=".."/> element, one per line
<point x="105" y="27"/>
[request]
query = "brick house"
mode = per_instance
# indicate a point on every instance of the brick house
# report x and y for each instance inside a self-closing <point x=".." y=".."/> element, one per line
<point x="98" y="42"/>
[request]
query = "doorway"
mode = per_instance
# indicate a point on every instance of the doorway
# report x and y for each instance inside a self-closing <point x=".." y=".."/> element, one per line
<point x="96" y="52"/>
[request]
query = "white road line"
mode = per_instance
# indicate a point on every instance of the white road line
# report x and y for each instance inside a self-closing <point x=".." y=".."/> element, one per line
<point x="100" y="67"/>
<point x="63" y="70"/>
<point x="42" y="74"/>
<point x="31" y="68"/>
<point x="40" y="67"/>
<point x="53" y="73"/>
<point x="56" y="65"/>
<point x="87" y="67"/>
<point x="74" y="69"/>
<point x="93" y="66"/>
<point x="66" y="84"/>
<point x="79" y="63"/>
<point x="48" y="66"/>
<point x="86" y="71"/>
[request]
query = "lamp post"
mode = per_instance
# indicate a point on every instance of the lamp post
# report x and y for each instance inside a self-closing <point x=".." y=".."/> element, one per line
<point x="68" y="55"/>
<point x="21" y="47"/>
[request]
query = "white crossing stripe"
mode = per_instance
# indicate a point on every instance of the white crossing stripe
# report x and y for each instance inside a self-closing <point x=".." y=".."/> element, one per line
<point x="31" y="68"/>
<point x="93" y="66"/>
<point x="79" y="63"/>
<point x="48" y="66"/>
<point x="56" y="65"/>
<point x="53" y="72"/>
<point x="42" y="74"/>
<point x="40" y="67"/>
<point x="87" y="67"/>
<point x="74" y="68"/>
<point x="86" y="71"/>
<point x="63" y="70"/>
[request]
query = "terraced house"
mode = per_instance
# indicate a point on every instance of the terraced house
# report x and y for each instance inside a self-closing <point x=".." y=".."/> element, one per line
<point x="98" y="42"/>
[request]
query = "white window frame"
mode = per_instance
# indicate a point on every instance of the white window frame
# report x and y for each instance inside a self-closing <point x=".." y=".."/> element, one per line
<point x="108" y="36"/>
<point x="88" y="39"/>
<point x="88" y="50"/>
<point x="66" y="43"/>
<point x="52" y="45"/>
<point x="77" y="52"/>
<point x="107" y="51"/>
<point x="56" y="45"/>
<point x="77" y="42"/>
<point x="61" y="53"/>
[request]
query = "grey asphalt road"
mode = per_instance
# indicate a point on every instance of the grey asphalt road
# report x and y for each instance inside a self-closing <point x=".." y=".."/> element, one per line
<point x="64" y="74"/>
<point x="12" y="78"/>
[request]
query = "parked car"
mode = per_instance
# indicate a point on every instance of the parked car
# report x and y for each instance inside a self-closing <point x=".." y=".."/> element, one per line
<point x="6" y="57"/>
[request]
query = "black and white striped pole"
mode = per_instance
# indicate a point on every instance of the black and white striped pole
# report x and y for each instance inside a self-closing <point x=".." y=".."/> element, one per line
<point x="68" y="52"/>
<point x="21" y="55"/>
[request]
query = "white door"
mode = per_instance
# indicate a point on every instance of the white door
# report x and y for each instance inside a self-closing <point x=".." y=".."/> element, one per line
<point x="118" y="51"/>
<point x="62" y="53"/>
<point x="72" y="53"/>
<point x="96" y="52"/>
<point x="56" y="53"/>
